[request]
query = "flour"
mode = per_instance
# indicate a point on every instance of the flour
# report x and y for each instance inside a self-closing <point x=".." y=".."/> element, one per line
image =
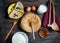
<point x="18" y="38"/>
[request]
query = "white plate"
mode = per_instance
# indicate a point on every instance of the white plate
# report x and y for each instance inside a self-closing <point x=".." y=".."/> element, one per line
<point x="20" y="37"/>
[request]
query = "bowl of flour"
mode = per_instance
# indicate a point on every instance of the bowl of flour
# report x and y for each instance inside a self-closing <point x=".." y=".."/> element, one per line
<point x="20" y="37"/>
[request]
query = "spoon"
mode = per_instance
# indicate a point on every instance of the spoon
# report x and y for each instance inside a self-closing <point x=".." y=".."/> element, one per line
<point x="33" y="31"/>
<point x="49" y="14"/>
<point x="54" y="26"/>
<point x="9" y="32"/>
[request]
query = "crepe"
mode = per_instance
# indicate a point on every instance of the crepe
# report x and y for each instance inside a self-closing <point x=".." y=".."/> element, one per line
<point x="16" y="10"/>
<point x="28" y="19"/>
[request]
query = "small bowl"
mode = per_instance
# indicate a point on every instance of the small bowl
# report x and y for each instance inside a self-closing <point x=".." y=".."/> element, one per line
<point x="20" y="37"/>
<point x="43" y="32"/>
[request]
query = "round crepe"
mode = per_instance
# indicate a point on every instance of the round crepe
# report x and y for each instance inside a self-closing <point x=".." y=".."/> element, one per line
<point x="28" y="19"/>
<point x="16" y="10"/>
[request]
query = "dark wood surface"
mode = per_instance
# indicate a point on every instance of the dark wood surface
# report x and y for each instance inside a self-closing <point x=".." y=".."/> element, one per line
<point x="6" y="23"/>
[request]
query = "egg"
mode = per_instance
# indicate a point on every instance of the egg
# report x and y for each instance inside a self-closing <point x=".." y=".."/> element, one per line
<point x="33" y="8"/>
<point x="28" y="9"/>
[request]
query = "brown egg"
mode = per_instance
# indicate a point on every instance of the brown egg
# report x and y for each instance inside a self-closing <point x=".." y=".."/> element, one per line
<point x="28" y="9"/>
<point x="33" y="8"/>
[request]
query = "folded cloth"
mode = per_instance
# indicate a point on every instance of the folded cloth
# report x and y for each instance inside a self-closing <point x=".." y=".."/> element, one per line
<point x="46" y="18"/>
<point x="58" y="23"/>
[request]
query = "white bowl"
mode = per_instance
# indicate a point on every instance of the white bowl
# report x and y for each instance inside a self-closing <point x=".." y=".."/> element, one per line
<point x="42" y="9"/>
<point x="20" y="37"/>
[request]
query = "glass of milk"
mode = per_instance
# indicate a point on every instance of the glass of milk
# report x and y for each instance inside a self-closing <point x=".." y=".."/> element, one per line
<point x="42" y="9"/>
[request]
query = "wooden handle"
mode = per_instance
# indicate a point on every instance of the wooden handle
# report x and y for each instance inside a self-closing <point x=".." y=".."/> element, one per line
<point x="50" y="12"/>
<point x="53" y="11"/>
<point x="14" y="23"/>
<point x="9" y="33"/>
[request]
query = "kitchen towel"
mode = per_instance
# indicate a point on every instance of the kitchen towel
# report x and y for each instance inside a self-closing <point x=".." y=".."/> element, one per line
<point x="46" y="18"/>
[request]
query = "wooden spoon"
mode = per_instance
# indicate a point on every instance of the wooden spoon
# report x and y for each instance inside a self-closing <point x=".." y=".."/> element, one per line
<point x="54" y="26"/>
<point x="9" y="32"/>
<point x="50" y="13"/>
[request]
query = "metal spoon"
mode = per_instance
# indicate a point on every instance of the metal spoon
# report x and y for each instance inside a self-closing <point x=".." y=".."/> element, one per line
<point x="33" y="31"/>
<point x="54" y="26"/>
<point x="9" y="32"/>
